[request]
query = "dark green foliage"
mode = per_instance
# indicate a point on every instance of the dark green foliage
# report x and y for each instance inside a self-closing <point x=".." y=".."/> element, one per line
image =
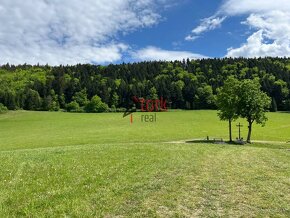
<point x="73" y="107"/>
<point x="3" y="109"/>
<point x="243" y="99"/>
<point x="81" y="98"/>
<point x="114" y="100"/>
<point x="50" y="102"/>
<point x="205" y="96"/>
<point x="96" y="105"/>
<point x="32" y="100"/>
<point x="190" y="84"/>
<point x="252" y="104"/>
<point x="227" y="102"/>
<point x="273" y="105"/>
<point x="153" y="93"/>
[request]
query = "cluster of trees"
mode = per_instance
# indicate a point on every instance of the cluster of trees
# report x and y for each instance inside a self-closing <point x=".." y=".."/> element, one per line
<point x="3" y="109"/>
<point x="188" y="84"/>
<point x="242" y="99"/>
<point x="36" y="88"/>
<point x="80" y="103"/>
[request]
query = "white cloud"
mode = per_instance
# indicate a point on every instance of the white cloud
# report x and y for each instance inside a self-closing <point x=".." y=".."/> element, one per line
<point x="153" y="53"/>
<point x="70" y="31"/>
<point x="191" y="38"/>
<point x="207" y="24"/>
<point x="270" y="21"/>
<point x="256" y="47"/>
<point x="43" y="54"/>
<point x="238" y="7"/>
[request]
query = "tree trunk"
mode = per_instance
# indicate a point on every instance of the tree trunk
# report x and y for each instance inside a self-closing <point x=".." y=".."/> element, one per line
<point x="249" y="132"/>
<point x="230" y="130"/>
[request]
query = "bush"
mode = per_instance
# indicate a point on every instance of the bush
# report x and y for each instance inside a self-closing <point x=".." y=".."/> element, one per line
<point x="286" y="105"/>
<point x="73" y="107"/>
<point x="96" y="105"/>
<point x="113" y="108"/>
<point x="3" y="109"/>
<point x="32" y="100"/>
<point x="121" y="109"/>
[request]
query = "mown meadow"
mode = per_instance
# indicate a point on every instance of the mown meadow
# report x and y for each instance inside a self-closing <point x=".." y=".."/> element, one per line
<point x="101" y="165"/>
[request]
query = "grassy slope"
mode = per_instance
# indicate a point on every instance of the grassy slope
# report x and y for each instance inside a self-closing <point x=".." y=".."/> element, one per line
<point x="47" y="129"/>
<point x="121" y="171"/>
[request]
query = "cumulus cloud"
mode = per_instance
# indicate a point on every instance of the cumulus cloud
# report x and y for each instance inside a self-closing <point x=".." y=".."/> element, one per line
<point x="271" y="38"/>
<point x="256" y="47"/>
<point x="237" y="7"/>
<point x="270" y="21"/>
<point x="207" y="24"/>
<point x="154" y="53"/>
<point x="70" y="31"/>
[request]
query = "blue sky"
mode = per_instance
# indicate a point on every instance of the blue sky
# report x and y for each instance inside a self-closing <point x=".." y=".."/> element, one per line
<point x="102" y="32"/>
<point x="180" y="19"/>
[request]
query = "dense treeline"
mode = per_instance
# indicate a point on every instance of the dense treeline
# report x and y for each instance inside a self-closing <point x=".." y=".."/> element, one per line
<point x="188" y="84"/>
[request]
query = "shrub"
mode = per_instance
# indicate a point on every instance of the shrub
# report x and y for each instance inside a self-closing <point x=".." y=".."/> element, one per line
<point x="113" y="108"/>
<point x="73" y="107"/>
<point x="121" y="109"/>
<point x="3" y="109"/>
<point x="96" y="105"/>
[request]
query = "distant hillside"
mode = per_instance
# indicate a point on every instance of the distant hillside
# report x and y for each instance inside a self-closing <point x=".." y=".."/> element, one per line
<point x="188" y="84"/>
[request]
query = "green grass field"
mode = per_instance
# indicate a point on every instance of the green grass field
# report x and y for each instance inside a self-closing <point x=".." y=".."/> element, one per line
<point x="100" y="165"/>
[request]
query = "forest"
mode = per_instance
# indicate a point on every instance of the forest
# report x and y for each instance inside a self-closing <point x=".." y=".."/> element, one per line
<point x="187" y="84"/>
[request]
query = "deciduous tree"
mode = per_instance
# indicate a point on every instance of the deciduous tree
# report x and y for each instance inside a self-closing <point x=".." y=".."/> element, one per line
<point x="252" y="104"/>
<point x="227" y="102"/>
